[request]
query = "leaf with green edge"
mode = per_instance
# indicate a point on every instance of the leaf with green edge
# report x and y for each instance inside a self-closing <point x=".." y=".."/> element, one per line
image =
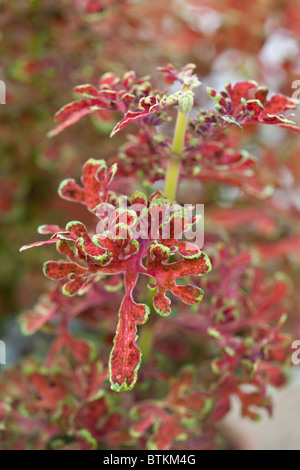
<point x="279" y="103"/>
<point x="96" y="179"/>
<point x="172" y="231"/>
<point x="231" y="120"/>
<point x="184" y="76"/>
<point x="49" y="395"/>
<point x="88" y="438"/>
<point x="49" y="229"/>
<point x="165" y="275"/>
<point x="149" y="105"/>
<point x="62" y="270"/>
<point x="40" y="243"/>
<point x="89" y="90"/>
<point x="75" y="286"/>
<point x="247" y="103"/>
<point x="93" y="256"/>
<point x="165" y="426"/>
<point x="33" y="319"/>
<point x="64" y="248"/>
<point x="125" y="357"/>
<point x="73" y="112"/>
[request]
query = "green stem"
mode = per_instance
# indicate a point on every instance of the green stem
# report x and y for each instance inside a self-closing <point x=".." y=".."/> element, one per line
<point x="171" y="183"/>
<point x="146" y="331"/>
<point x="146" y="340"/>
<point x="173" y="171"/>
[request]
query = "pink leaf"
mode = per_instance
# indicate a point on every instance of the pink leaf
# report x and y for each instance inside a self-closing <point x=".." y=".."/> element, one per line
<point x="149" y="105"/>
<point x="125" y="356"/>
<point x="41" y="243"/>
<point x="165" y="275"/>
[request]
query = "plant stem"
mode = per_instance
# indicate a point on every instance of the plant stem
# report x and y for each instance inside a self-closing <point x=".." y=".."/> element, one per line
<point x="173" y="171"/>
<point x="171" y="183"/>
<point x="146" y="340"/>
<point x="146" y="334"/>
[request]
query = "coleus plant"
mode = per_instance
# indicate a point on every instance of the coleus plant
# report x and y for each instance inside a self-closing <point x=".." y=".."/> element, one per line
<point x="128" y="244"/>
<point x="114" y="32"/>
<point x="91" y="257"/>
<point x="67" y="398"/>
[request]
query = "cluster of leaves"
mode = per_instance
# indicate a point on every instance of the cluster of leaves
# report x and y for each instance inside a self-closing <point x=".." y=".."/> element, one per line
<point x="210" y="155"/>
<point x="43" y="60"/>
<point x="91" y="257"/>
<point x="69" y="398"/>
<point x="234" y="339"/>
<point x="249" y="348"/>
<point x="69" y="407"/>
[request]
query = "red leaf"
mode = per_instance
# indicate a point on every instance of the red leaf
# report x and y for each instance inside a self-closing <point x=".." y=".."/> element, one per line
<point x="172" y="75"/>
<point x="279" y="104"/>
<point x="81" y="349"/>
<point x="41" y="243"/>
<point x="150" y="105"/>
<point x="57" y="270"/>
<point x="166" y="428"/>
<point x="73" y="287"/>
<point x="287" y="247"/>
<point x="88" y="90"/>
<point x="125" y="356"/>
<point x="240" y="90"/>
<point x="165" y="275"/>
<point x="113" y="94"/>
<point x="39" y="315"/>
<point x="246" y="217"/>
<point x="70" y="190"/>
<point x="73" y="112"/>
<point x="96" y="178"/>
<point x="49" y="229"/>
<point x="50" y="394"/>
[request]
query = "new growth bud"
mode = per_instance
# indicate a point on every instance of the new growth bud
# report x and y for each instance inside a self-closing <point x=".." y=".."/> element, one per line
<point x="186" y="102"/>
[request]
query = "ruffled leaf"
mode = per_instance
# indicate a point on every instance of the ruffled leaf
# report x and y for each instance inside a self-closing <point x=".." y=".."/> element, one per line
<point x="112" y="93"/>
<point x="73" y="112"/>
<point x="96" y="179"/>
<point x="150" y="105"/>
<point x="125" y="356"/>
<point x="165" y="275"/>
<point x="41" y="243"/>
<point x="184" y="76"/>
